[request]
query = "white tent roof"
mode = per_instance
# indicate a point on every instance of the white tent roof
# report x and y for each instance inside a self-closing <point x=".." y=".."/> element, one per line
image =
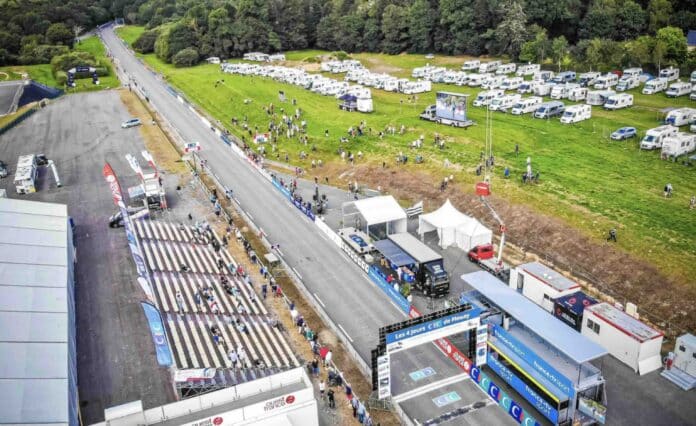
<point x="454" y="227"/>
<point x="447" y="216"/>
<point x="380" y="209"/>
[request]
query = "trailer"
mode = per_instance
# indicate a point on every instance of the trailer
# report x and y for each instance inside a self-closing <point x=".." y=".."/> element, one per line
<point x="676" y="145"/>
<point x="680" y="88"/>
<point x="541" y="284"/>
<point x="450" y="109"/>
<point x="626" y="338"/>
<point x="526" y="105"/>
<point x="669" y="74"/>
<point x="570" y="308"/>
<point x="578" y="94"/>
<point x="506" y="69"/>
<point x="527" y="69"/>
<point x="606" y="81"/>
<point x="619" y="101"/>
<point x="576" y="113"/>
<point x="681" y="117"/>
<point x="503" y="103"/>
<point x="655" y="85"/>
<point x="654" y="137"/>
<point x="471" y="65"/>
<point x="485" y="97"/>
<point x="26" y="174"/>
<point x="598" y="97"/>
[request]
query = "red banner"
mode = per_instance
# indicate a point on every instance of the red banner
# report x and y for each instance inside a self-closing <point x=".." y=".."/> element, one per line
<point x="448" y="348"/>
<point x="111" y="179"/>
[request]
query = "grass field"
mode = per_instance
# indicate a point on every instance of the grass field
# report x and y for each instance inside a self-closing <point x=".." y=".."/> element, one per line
<point x="588" y="181"/>
<point x="41" y="73"/>
<point x="94" y="46"/>
<point x="130" y="33"/>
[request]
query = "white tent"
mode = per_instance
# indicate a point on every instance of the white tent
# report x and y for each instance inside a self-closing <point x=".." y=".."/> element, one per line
<point x="376" y="211"/>
<point x="454" y="227"/>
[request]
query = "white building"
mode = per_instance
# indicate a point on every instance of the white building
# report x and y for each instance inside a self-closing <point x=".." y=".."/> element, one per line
<point x="541" y="284"/>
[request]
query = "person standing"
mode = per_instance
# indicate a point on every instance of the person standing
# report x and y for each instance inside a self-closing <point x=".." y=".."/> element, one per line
<point x="692" y="203"/>
<point x="332" y="399"/>
<point x="361" y="412"/>
<point x="328" y="358"/>
<point x="315" y="366"/>
<point x="612" y="235"/>
<point x="322" y="388"/>
<point x="180" y="301"/>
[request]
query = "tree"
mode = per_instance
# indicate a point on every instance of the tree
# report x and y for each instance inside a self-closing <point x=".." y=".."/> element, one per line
<point x="640" y="50"/>
<point x="395" y="29"/>
<point x="593" y="54"/>
<point x="171" y="40"/>
<point x="599" y="22"/>
<point x="659" y="12"/>
<point x="559" y="50"/>
<point x="631" y="20"/>
<point x="421" y="24"/>
<point x="145" y="43"/>
<point x="674" y="43"/>
<point x="186" y="57"/>
<point x="511" y="33"/>
<point x="59" y="33"/>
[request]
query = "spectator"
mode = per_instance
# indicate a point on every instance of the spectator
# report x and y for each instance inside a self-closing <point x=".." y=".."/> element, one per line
<point x="692" y="203"/>
<point x="332" y="399"/>
<point x="315" y="366"/>
<point x="328" y="358"/>
<point x="322" y="388"/>
<point x="612" y="235"/>
<point x="361" y="412"/>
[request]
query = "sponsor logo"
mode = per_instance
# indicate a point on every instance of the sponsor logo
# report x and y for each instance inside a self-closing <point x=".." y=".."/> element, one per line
<point x="279" y="402"/>
<point x="217" y="421"/>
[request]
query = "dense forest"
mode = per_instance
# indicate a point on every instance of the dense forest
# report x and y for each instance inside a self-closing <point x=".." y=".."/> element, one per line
<point x="594" y="34"/>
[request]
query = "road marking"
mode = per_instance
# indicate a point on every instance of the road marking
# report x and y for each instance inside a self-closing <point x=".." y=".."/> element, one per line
<point x="345" y="332"/>
<point x="322" y="303"/>
<point x="431" y="386"/>
<point x="296" y="273"/>
<point x="280" y="252"/>
<point x="249" y="214"/>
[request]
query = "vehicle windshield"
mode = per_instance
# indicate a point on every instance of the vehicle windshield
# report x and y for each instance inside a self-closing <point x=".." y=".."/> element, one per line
<point x="649" y="138"/>
<point x="568" y="114"/>
<point x="611" y="101"/>
<point x="517" y="106"/>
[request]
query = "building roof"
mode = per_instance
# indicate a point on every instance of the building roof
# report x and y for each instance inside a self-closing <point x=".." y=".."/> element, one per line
<point x="691" y="38"/>
<point x="393" y="253"/>
<point x="35" y="328"/>
<point x="549" y="276"/>
<point x="416" y="249"/>
<point x="569" y="342"/>
<point x="624" y="322"/>
<point x="576" y="302"/>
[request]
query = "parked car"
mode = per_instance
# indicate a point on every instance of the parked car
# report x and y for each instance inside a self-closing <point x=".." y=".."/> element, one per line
<point x="131" y="123"/>
<point x="3" y="170"/>
<point x="624" y="133"/>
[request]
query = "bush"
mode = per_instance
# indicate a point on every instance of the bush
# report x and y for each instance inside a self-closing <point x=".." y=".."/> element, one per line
<point x="186" y="57"/>
<point x="72" y="59"/>
<point x="341" y="55"/>
<point x="61" y="78"/>
<point x="40" y="53"/>
<point x="146" y="42"/>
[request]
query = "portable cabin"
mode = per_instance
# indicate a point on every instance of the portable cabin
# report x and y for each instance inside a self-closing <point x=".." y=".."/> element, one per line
<point x="571" y="307"/>
<point x="681" y="117"/>
<point x="577" y="94"/>
<point x="598" y="97"/>
<point x="606" y="81"/>
<point x="576" y="113"/>
<point x="625" y="337"/>
<point x="670" y="74"/>
<point x="679" y="144"/>
<point x="471" y="65"/>
<point x="527" y="69"/>
<point x="677" y="89"/>
<point x="619" y="101"/>
<point x="654" y="137"/>
<point x="655" y="85"/>
<point x="526" y="105"/>
<point x="541" y="284"/>
<point x="506" y="69"/>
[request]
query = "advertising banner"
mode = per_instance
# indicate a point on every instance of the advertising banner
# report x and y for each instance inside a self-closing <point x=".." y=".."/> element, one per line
<point x="481" y="344"/>
<point x="500" y="397"/>
<point x="383" y="377"/>
<point x="159" y="335"/>
<point x="533" y="362"/>
<point x="451" y="106"/>
<point x="111" y="179"/>
<point x="394" y="295"/>
<point x="450" y="324"/>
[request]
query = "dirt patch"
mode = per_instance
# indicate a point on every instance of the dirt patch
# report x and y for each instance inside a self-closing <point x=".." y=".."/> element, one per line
<point x="378" y="66"/>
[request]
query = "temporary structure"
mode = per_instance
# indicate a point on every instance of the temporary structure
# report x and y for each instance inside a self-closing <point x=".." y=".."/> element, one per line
<point x="379" y="216"/>
<point x="454" y="227"/>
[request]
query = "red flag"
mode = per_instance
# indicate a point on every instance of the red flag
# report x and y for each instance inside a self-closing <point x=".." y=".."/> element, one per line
<point x="111" y="179"/>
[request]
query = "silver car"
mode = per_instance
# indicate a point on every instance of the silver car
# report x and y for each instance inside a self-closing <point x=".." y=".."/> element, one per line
<point x="130" y="123"/>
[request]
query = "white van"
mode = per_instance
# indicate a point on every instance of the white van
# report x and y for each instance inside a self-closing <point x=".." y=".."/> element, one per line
<point x="622" y="100"/>
<point x="677" y="89"/>
<point x="549" y="109"/>
<point x="504" y="102"/>
<point x="476" y="80"/>
<point x="632" y="72"/>
<point x="471" y="65"/>
<point x="678" y="144"/>
<point x="527" y="69"/>
<point x="606" y="81"/>
<point x="577" y="94"/>
<point x="653" y="137"/>
<point x="587" y="79"/>
<point x="493" y="82"/>
<point x="670" y="73"/>
<point x="681" y="117"/>
<point x="655" y="85"/>
<point x="489" y="67"/>
<point x="526" y="105"/>
<point x="512" y="83"/>
<point x="485" y="97"/>
<point x="598" y="97"/>
<point x="25" y="174"/>
<point x="543" y="89"/>
<point x="627" y="83"/>
<point x="561" y="91"/>
<point x="506" y="69"/>
<point x="576" y="113"/>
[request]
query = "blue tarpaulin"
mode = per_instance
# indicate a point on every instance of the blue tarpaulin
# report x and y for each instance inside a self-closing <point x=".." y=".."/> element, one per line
<point x="393" y="253"/>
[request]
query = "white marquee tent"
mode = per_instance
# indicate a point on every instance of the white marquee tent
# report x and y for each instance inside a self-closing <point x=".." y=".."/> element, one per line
<point x="377" y="211"/>
<point x="454" y="228"/>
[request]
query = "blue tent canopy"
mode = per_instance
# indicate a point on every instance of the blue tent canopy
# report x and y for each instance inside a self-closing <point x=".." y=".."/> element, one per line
<point x="393" y="253"/>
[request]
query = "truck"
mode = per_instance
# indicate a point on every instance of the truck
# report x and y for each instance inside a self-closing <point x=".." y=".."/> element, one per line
<point x="430" y="276"/>
<point x="678" y="144"/>
<point x="484" y="256"/>
<point x="25" y="174"/>
<point x="655" y="85"/>
<point x="576" y="113"/>
<point x="450" y="109"/>
<point x="653" y="137"/>
<point x="619" y="101"/>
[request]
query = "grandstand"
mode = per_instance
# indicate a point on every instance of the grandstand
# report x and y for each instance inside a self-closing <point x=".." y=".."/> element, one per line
<point x="15" y="94"/>
<point x="236" y="311"/>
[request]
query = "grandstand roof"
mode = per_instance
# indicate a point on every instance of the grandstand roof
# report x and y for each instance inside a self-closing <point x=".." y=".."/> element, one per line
<point x="36" y="318"/>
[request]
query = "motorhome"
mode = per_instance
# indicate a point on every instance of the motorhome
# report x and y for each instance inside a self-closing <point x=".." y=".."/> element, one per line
<point x="627" y="83"/>
<point x="471" y="65"/>
<point x="564" y="77"/>
<point x="654" y="137"/>
<point x="588" y="78"/>
<point x="693" y="77"/>
<point x="632" y="72"/>
<point x="619" y="101"/>
<point x="512" y="83"/>
<point x="528" y="86"/>
<point x="413" y="87"/>
<point x="25" y="174"/>
<point x="476" y="80"/>
<point x="543" y="75"/>
<point x="680" y="88"/>
<point x="670" y="73"/>
<point x="598" y="97"/>
<point x="527" y="69"/>
<point x="681" y="117"/>
<point x="606" y="81"/>
<point x="678" y="144"/>
<point x="549" y="109"/>
<point x="526" y="105"/>
<point x="506" y="69"/>
<point x="655" y="85"/>
<point x="503" y="103"/>
<point x="561" y="91"/>
<point x="493" y="82"/>
<point x="576" y="113"/>
<point x="485" y="97"/>
<point x="543" y="89"/>
<point x="577" y="94"/>
<point x="489" y="67"/>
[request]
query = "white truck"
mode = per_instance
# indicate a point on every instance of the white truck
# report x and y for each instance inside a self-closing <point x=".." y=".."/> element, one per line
<point x="619" y="101"/>
<point x="598" y="97"/>
<point x="504" y="102"/>
<point x="680" y="88"/>
<point x="681" y="117"/>
<point x="471" y="65"/>
<point x="489" y="67"/>
<point x="485" y="97"/>
<point x="527" y="69"/>
<point x="576" y="113"/>
<point x="25" y="174"/>
<point x="504" y="69"/>
<point x="512" y="83"/>
<point x="670" y="73"/>
<point x="678" y="144"/>
<point x="606" y="81"/>
<point x="526" y="105"/>
<point x="655" y="85"/>
<point x="654" y="137"/>
<point x="578" y="94"/>
<point x="627" y="83"/>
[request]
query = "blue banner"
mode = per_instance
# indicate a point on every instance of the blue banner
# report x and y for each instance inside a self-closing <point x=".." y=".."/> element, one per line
<point x="225" y="139"/>
<point x="527" y="392"/>
<point x="501" y="398"/>
<point x="538" y="365"/>
<point x="433" y="325"/>
<point x="159" y="335"/>
<point x="394" y="295"/>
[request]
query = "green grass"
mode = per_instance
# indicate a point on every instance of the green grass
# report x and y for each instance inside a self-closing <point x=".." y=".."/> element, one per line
<point x="41" y="73"/>
<point x="94" y="46"/>
<point x="590" y="182"/>
<point x="130" y="33"/>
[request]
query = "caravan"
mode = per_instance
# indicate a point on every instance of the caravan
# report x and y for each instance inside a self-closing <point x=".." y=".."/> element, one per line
<point x="506" y="69"/>
<point x="528" y="86"/>
<point x="654" y="137"/>
<point x="504" y="102"/>
<point x="549" y="109"/>
<point x="693" y="77"/>
<point x="488" y="67"/>
<point x="577" y="94"/>
<point x="527" y="69"/>
<point x="681" y="117"/>
<point x="670" y="74"/>
<point x="512" y="83"/>
<point x="413" y="87"/>
<point x="484" y="98"/>
<point x="654" y="86"/>
<point x="25" y="174"/>
<point x="471" y="65"/>
<point x="606" y="81"/>
<point x="561" y="91"/>
<point x="622" y="100"/>
<point x="576" y="113"/>
<point x="677" y="89"/>
<point x="564" y="77"/>
<point x="598" y="97"/>
<point x="526" y="105"/>
<point x="627" y="83"/>
<point x="587" y="79"/>
<point x="678" y="144"/>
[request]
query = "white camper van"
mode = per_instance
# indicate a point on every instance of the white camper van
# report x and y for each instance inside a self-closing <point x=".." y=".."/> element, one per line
<point x="622" y="100"/>
<point x="489" y="67"/>
<point x="588" y="78"/>
<point x="606" y="81"/>
<point x="413" y="87"/>
<point x="543" y="89"/>
<point x="527" y="69"/>
<point x="627" y="83"/>
<point x="655" y="85"/>
<point x="598" y="97"/>
<point x="506" y="69"/>
<point x="549" y="109"/>
<point x="528" y="86"/>
<point x="526" y="105"/>
<point x="543" y="75"/>
<point x="693" y="77"/>
<point x="577" y="94"/>
<point x="504" y="102"/>
<point x="493" y="82"/>
<point x="484" y="98"/>
<point x="681" y="117"/>
<point x="512" y="83"/>
<point x="576" y="113"/>
<point x="475" y="80"/>
<point x="632" y="72"/>
<point x="471" y="65"/>
<point x="564" y="77"/>
<point x="561" y="91"/>
<point x="677" y="89"/>
<point x="670" y="73"/>
<point x="654" y="137"/>
<point x="678" y="144"/>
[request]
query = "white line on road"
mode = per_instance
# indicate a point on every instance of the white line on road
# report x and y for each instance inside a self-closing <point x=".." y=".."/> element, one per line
<point x="322" y="303"/>
<point x="249" y="214"/>
<point x="345" y="332"/>
<point x="280" y="252"/>
<point x="297" y="273"/>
